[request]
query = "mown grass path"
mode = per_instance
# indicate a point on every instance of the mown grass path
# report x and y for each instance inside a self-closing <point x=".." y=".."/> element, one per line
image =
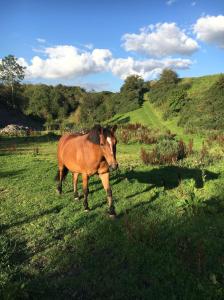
<point x="153" y="116"/>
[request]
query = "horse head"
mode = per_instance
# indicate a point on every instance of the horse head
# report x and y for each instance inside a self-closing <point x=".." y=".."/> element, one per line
<point x="105" y="138"/>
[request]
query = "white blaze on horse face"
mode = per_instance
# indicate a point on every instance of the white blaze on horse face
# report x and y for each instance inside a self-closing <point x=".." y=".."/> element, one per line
<point x="110" y="143"/>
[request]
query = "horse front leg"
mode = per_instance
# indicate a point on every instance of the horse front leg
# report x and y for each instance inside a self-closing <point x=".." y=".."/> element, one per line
<point x="106" y="184"/>
<point x="85" y="179"/>
<point x="75" y="185"/>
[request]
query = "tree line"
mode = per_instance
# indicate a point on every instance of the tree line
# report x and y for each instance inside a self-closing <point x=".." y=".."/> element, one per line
<point x="62" y="106"/>
<point x="59" y="106"/>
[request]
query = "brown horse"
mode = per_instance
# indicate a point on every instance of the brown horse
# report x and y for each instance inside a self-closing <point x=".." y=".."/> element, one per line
<point x="88" y="154"/>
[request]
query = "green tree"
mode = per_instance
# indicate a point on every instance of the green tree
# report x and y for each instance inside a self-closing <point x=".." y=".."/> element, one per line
<point x="11" y="73"/>
<point x="39" y="100"/>
<point x="131" y="93"/>
<point x="91" y="109"/>
<point x="161" y="90"/>
<point x="168" y="77"/>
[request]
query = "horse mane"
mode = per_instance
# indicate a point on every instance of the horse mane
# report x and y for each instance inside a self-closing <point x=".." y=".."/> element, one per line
<point x="94" y="134"/>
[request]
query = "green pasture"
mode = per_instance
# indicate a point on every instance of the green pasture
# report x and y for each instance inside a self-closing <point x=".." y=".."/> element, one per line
<point x="166" y="243"/>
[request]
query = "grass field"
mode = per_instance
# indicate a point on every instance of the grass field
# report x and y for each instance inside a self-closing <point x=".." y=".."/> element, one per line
<point x="166" y="243"/>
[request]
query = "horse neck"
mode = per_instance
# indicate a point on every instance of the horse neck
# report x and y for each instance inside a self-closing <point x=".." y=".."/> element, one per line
<point x="97" y="148"/>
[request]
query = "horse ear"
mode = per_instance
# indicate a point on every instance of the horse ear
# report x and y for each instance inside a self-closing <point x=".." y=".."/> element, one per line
<point x="94" y="134"/>
<point x="97" y="128"/>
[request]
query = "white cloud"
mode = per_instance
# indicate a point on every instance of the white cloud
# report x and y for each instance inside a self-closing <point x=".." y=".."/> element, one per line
<point x="40" y="40"/>
<point x="170" y="2"/>
<point x="160" y="40"/>
<point x="88" y="46"/>
<point x="95" y="86"/>
<point x="22" y="62"/>
<point x="123" y="67"/>
<point x="66" y="62"/>
<point x="210" y="29"/>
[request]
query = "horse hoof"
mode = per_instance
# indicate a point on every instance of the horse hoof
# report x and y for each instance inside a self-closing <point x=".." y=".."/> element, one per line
<point x="76" y="196"/>
<point x="112" y="212"/>
<point x="58" y="192"/>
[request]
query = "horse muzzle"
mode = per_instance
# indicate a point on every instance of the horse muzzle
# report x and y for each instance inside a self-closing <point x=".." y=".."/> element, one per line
<point x="113" y="167"/>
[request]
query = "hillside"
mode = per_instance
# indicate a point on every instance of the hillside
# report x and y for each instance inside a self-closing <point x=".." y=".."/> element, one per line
<point x="197" y="104"/>
<point x="158" y="113"/>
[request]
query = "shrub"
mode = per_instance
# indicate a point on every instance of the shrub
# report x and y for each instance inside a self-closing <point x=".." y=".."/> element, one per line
<point x="215" y="138"/>
<point x="190" y="147"/>
<point x="205" y="110"/>
<point x="136" y="133"/>
<point x="176" y="100"/>
<point x="166" y="151"/>
<point x="191" y="204"/>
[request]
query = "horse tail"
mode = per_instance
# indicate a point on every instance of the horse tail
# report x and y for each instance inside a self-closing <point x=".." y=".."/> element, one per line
<point x="64" y="174"/>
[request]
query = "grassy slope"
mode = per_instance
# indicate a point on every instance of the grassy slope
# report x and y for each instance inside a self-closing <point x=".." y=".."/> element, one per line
<point x="200" y="84"/>
<point x="152" y="116"/>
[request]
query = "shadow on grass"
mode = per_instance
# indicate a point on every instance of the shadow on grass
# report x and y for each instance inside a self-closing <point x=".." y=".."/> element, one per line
<point x="170" y="177"/>
<point x="54" y="210"/>
<point x="13" y="253"/>
<point x="11" y="173"/>
<point x="130" y="258"/>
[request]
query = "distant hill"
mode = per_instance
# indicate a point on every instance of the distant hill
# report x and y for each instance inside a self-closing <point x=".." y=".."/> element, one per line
<point x="11" y="116"/>
<point x="191" y="103"/>
<point x="194" y="103"/>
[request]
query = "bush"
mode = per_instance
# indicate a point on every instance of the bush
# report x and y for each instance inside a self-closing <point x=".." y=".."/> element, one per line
<point x="176" y="100"/>
<point x="206" y="109"/>
<point x="170" y="94"/>
<point x="136" y="133"/>
<point x="166" y="151"/>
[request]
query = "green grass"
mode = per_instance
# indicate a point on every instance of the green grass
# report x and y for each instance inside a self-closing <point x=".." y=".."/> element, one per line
<point x="151" y="117"/>
<point x="167" y="242"/>
<point x="200" y="84"/>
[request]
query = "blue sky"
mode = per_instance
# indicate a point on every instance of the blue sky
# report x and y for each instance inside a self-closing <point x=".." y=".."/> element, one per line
<point x="97" y="44"/>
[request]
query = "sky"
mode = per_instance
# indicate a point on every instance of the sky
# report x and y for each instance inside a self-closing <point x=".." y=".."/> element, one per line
<point x="97" y="44"/>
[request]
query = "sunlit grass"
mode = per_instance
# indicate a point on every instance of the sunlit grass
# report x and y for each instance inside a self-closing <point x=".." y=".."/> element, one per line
<point x="166" y="243"/>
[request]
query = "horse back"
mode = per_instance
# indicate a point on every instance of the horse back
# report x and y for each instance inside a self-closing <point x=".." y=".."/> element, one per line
<point x="78" y="154"/>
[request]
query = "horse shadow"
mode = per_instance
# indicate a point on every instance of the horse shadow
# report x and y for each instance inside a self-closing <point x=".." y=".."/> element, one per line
<point x="11" y="173"/>
<point x="170" y="177"/>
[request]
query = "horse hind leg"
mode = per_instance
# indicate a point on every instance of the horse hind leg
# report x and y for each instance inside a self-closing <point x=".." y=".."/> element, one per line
<point x="62" y="172"/>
